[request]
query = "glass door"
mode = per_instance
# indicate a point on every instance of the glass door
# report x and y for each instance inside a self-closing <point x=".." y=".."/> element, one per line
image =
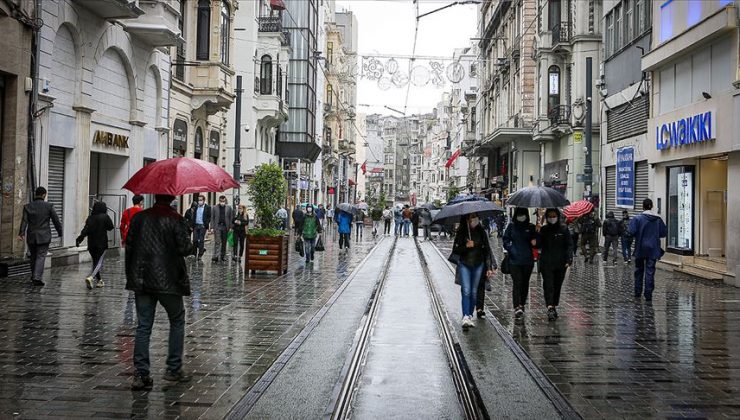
<point x="681" y="201"/>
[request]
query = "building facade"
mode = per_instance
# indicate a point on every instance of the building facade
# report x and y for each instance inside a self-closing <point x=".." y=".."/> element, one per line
<point x="18" y="176"/>
<point x="692" y="142"/>
<point x="104" y="103"/>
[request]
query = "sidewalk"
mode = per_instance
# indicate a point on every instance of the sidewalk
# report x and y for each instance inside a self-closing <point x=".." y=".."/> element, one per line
<point x="614" y="356"/>
<point x="66" y="351"/>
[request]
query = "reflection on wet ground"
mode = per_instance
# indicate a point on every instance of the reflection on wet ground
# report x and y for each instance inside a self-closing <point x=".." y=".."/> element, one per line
<point x="66" y="351"/>
<point x="614" y="356"/>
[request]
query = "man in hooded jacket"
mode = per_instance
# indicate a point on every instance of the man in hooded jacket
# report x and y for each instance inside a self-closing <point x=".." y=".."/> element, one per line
<point x="610" y="228"/>
<point x="96" y="229"/>
<point x="647" y="229"/>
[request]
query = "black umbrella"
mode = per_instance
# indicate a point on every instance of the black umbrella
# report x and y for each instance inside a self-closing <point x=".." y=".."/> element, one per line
<point x="346" y="207"/>
<point x="537" y="197"/>
<point x="451" y="213"/>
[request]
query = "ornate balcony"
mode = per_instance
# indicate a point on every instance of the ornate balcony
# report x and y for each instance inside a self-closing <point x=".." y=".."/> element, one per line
<point x="212" y="86"/>
<point x="158" y="26"/>
<point x="112" y="9"/>
<point x="559" y="115"/>
<point x="270" y="24"/>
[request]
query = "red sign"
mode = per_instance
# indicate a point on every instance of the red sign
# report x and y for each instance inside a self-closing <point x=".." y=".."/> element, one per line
<point x="331" y="190"/>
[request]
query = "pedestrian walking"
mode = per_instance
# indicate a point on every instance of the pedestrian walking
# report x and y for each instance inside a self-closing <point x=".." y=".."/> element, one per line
<point x="239" y="227"/>
<point x="625" y="237"/>
<point x="473" y="253"/>
<point x="156" y="245"/>
<point x="298" y="220"/>
<point x="36" y="231"/>
<point x="406" y="219"/>
<point x="344" y="228"/>
<point x="321" y="214"/>
<point x="387" y="217"/>
<point x="426" y="224"/>
<point x="520" y="237"/>
<point x="96" y="229"/>
<point x="647" y="228"/>
<point x="610" y="230"/>
<point x="575" y="235"/>
<point x="128" y="214"/>
<point x="398" y="221"/>
<point x="359" y="223"/>
<point x="311" y="229"/>
<point x="223" y="217"/>
<point x="588" y="226"/>
<point x="556" y="255"/>
<point x="415" y="222"/>
<point x="376" y="215"/>
<point x="282" y="216"/>
<point x="330" y="215"/>
<point x="201" y="222"/>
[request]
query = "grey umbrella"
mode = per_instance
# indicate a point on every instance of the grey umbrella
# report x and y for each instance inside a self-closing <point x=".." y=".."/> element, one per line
<point x="346" y="207"/>
<point x="451" y="213"/>
<point x="537" y="197"/>
<point x="429" y="206"/>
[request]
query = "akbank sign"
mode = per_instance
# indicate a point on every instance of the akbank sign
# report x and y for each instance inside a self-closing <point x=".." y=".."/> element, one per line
<point x="690" y="130"/>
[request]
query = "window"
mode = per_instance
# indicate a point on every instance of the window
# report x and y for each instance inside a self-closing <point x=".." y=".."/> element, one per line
<point x="203" y="23"/>
<point x="666" y="21"/>
<point x="330" y="52"/>
<point x="628" y="22"/>
<point x="224" y="32"/>
<point x="618" y="29"/>
<point x="279" y="82"/>
<point x="329" y="95"/>
<point x="609" y="35"/>
<point x="553" y="15"/>
<point x="180" y="58"/>
<point x="681" y="209"/>
<point x="266" y="75"/>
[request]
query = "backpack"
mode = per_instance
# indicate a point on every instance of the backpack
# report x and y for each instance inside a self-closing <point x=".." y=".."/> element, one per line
<point x="611" y="227"/>
<point x="588" y="226"/>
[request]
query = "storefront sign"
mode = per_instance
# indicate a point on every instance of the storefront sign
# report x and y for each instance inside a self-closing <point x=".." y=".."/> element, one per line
<point x="690" y="130"/>
<point x="179" y="137"/>
<point x="685" y="209"/>
<point x="109" y="139"/>
<point x="626" y="177"/>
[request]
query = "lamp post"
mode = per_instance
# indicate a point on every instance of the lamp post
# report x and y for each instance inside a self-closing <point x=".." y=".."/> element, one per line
<point x="237" y="140"/>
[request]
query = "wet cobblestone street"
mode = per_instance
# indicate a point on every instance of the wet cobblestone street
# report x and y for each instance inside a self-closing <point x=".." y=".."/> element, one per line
<point x="65" y="351"/>
<point x="614" y="356"/>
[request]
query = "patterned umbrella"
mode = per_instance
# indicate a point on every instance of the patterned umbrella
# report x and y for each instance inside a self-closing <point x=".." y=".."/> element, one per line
<point x="578" y="209"/>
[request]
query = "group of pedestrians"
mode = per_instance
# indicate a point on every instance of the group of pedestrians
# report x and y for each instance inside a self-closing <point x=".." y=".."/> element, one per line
<point x="219" y="220"/>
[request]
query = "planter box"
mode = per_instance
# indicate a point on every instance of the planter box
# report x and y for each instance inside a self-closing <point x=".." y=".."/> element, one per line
<point x="267" y="253"/>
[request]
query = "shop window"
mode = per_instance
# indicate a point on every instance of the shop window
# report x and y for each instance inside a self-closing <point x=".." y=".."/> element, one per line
<point x="681" y="209"/>
<point x="266" y="75"/>
<point x="694" y="13"/>
<point x="203" y="38"/>
<point x="198" y="153"/>
<point x="225" y="17"/>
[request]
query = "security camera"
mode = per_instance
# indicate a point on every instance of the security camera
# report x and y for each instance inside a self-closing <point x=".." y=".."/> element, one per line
<point x="246" y="128"/>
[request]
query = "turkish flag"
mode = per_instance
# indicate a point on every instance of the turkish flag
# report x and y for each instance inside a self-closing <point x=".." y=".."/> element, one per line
<point x="452" y="158"/>
<point x="364" y="167"/>
<point x="277" y="4"/>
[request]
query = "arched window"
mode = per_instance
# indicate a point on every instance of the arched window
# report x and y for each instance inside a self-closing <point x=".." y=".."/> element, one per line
<point x="266" y="75"/>
<point x="203" y="40"/>
<point x="553" y="93"/>
<point x="224" y="32"/>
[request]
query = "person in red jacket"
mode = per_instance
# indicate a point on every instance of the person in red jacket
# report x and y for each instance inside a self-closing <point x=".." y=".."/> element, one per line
<point x="129" y="214"/>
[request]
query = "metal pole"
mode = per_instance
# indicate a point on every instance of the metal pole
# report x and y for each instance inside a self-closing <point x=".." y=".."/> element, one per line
<point x="298" y="183"/>
<point x="587" y="168"/>
<point x="237" y="139"/>
<point x="357" y="167"/>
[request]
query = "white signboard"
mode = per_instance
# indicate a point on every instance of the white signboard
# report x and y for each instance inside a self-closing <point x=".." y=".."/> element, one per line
<point x="554" y="83"/>
<point x="685" y="209"/>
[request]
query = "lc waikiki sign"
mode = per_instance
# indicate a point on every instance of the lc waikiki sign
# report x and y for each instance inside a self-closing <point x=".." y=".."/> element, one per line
<point x="690" y="130"/>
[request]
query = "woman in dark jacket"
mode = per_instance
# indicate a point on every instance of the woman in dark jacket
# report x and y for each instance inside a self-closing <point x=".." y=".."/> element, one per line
<point x="241" y="222"/>
<point x="475" y="258"/>
<point x="96" y="229"/>
<point x="519" y="238"/>
<point x="556" y="255"/>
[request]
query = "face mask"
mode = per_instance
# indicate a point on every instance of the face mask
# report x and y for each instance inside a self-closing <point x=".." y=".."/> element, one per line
<point x="521" y="218"/>
<point x="552" y="220"/>
<point x="201" y="202"/>
<point x="309" y="210"/>
<point x="474" y="222"/>
<point x="222" y="204"/>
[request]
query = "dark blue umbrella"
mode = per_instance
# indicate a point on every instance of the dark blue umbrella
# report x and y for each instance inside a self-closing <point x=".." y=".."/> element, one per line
<point x="451" y="213"/>
<point x="537" y="197"/>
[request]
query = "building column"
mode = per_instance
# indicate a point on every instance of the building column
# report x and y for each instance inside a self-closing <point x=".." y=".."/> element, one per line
<point x="732" y="253"/>
<point x="81" y="172"/>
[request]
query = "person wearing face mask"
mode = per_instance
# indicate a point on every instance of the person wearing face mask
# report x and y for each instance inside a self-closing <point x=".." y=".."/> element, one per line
<point x="200" y="220"/>
<point x="472" y="246"/>
<point x="223" y="216"/>
<point x="310" y="229"/>
<point x="519" y="238"/>
<point x="556" y="255"/>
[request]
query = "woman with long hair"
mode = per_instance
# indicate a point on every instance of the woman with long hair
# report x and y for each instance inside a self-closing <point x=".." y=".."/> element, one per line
<point x="239" y="227"/>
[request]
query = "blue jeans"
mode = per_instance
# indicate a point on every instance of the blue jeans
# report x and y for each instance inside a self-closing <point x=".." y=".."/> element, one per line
<point x="146" y="307"/>
<point x="406" y="224"/>
<point x="645" y="267"/>
<point x="469" y="279"/>
<point x="627" y="248"/>
<point x="309" y="246"/>
<point x="397" y="227"/>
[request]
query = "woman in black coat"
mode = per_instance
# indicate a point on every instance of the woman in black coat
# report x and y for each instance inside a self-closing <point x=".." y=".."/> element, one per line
<point x="96" y="229"/>
<point x="556" y="255"/>
<point x="241" y="222"/>
<point x="519" y="238"/>
<point x="474" y="260"/>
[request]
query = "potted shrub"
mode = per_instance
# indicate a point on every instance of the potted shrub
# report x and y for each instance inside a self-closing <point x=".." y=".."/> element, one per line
<point x="267" y="246"/>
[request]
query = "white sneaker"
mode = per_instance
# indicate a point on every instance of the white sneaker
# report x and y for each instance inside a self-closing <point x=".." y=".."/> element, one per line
<point x="89" y="283"/>
<point x="465" y="322"/>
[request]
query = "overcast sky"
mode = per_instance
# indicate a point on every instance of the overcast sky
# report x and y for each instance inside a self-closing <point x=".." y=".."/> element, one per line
<point x="387" y="27"/>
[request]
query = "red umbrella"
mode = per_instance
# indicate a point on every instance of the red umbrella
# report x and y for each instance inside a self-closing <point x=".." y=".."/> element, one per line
<point x="578" y="209"/>
<point x="180" y="176"/>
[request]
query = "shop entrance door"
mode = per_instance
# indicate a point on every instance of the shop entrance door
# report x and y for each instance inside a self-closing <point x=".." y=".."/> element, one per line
<point x="713" y="192"/>
<point x="715" y="224"/>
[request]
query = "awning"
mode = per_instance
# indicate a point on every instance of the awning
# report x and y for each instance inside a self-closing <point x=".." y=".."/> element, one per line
<point x="277" y="5"/>
<point x="303" y="150"/>
<point x="452" y="158"/>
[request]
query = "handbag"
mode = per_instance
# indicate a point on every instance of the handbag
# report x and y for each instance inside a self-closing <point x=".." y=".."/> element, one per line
<point x="454" y="258"/>
<point x="505" y="265"/>
<point x="230" y="238"/>
<point x="319" y="244"/>
<point x="458" y="276"/>
<point x="299" y="247"/>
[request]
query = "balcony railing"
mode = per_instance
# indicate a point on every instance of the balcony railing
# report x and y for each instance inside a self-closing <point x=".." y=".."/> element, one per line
<point x="559" y="115"/>
<point x="270" y="24"/>
<point x="562" y="33"/>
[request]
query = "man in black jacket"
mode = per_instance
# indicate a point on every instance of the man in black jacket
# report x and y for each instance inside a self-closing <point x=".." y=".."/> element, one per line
<point x="223" y="218"/>
<point x="200" y="220"/>
<point x="36" y="231"/>
<point x="156" y="245"/>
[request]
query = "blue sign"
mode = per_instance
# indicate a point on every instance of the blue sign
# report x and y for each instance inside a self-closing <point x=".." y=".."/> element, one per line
<point x="690" y="130"/>
<point x="626" y="177"/>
